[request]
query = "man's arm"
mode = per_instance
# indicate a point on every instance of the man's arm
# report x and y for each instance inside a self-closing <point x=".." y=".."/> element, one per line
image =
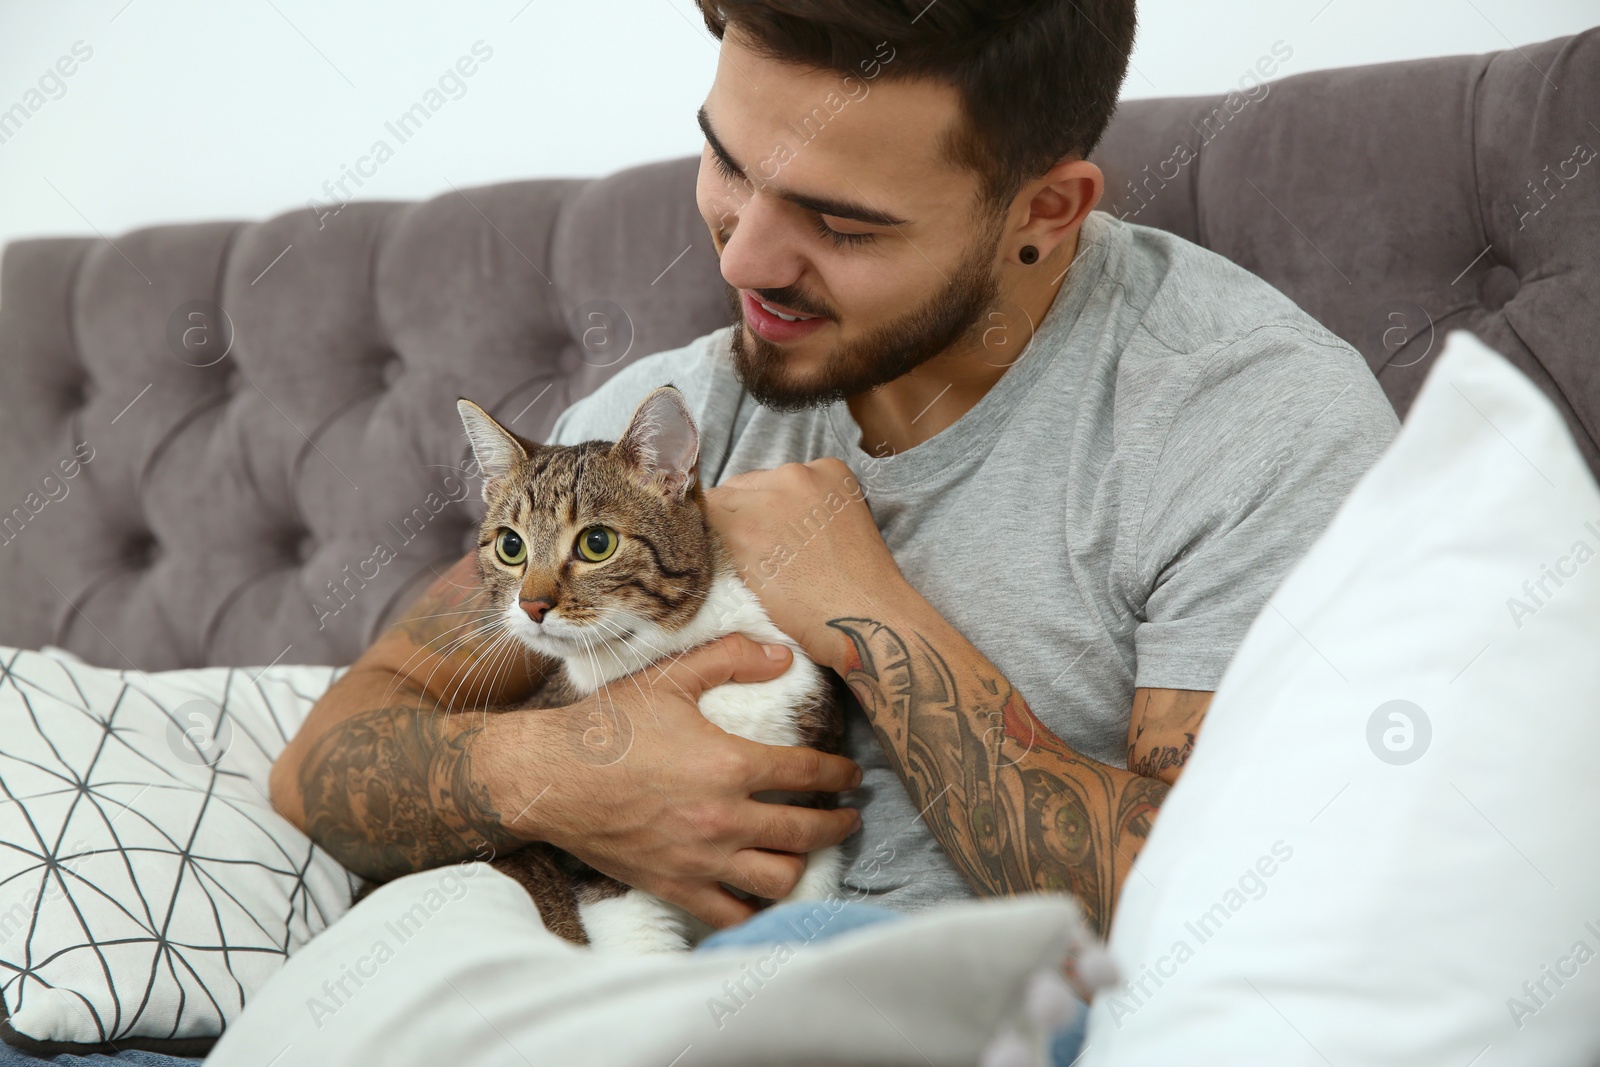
<point x="381" y="775"/>
<point x="1162" y="728"/>
<point x="1014" y="807"/>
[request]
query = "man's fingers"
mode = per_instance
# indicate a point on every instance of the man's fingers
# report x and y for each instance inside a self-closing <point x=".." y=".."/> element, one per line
<point x="731" y="658"/>
<point x="766" y="874"/>
<point x="708" y="903"/>
<point x="788" y="828"/>
<point x="804" y="769"/>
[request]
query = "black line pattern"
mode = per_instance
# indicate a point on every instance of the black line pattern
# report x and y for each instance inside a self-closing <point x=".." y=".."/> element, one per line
<point x="147" y="887"/>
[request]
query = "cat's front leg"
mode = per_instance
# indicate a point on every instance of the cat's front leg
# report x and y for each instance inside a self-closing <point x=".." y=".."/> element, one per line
<point x="824" y="867"/>
<point x="637" y="923"/>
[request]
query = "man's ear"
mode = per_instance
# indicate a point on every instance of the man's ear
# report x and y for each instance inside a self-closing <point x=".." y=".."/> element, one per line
<point x="496" y="448"/>
<point x="662" y="443"/>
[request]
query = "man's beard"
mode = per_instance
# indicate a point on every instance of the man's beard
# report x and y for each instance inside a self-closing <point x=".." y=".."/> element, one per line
<point x="884" y="354"/>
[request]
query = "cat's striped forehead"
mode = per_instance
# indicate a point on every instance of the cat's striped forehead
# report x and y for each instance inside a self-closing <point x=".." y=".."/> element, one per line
<point x="560" y="487"/>
<point x="561" y="482"/>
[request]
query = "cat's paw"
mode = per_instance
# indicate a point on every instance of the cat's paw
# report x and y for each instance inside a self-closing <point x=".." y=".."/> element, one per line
<point x="821" y="878"/>
<point x="635" y="923"/>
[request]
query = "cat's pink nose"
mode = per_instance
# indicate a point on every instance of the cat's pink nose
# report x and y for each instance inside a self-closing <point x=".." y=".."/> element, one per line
<point x="536" y="609"/>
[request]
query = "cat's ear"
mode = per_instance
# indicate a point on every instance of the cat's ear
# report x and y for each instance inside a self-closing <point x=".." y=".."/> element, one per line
<point x="495" y="447"/>
<point x="662" y="443"/>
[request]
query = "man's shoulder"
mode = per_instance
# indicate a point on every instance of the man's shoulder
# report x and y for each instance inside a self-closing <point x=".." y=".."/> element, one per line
<point x="1211" y="334"/>
<point x="1193" y="299"/>
<point x="697" y="369"/>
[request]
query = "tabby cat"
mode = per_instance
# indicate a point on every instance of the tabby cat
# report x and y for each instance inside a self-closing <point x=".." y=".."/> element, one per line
<point x="599" y="555"/>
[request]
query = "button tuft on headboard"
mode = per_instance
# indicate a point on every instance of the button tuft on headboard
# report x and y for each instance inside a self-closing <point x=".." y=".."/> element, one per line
<point x="393" y="367"/>
<point x="1497" y="286"/>
<point x="141" y="550"/>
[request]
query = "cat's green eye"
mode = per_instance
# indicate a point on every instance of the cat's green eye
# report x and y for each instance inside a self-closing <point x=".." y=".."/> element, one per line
<point x="510" y="547"/>
<point x="597" y="543"/>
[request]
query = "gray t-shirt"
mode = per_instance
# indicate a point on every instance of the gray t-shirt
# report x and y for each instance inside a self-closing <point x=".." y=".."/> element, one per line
<point x="1112" y="514"/>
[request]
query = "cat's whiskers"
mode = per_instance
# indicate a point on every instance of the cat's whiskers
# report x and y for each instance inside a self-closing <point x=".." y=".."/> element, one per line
<point x="614" y="635"/>
<point x="488" y="647"/>
<point x="442" y="614"/>
<point x="492" y="645"/>
<point x="505" y="640"/>
<point x="604" y="691"/>
<point x="633" y="676"/>
<point x="605" y="622"/>
<point x="659" y="653"/>
<point x="423" y="650"/>
<point x="477" y="632"/>
<point x="617" y="635"/>
<point x="403" y="675"/>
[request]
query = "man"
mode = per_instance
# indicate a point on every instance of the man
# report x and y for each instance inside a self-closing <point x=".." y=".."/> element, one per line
<point x="1021" y="473"/>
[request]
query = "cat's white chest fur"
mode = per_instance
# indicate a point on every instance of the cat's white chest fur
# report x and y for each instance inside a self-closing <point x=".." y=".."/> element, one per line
<point x="763" y="711"/>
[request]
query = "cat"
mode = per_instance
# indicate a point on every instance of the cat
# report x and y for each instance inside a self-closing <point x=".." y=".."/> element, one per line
<point x="600" y="556"/>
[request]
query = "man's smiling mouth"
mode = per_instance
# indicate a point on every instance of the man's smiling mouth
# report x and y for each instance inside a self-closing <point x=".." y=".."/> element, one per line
<point x="786" y="318"/>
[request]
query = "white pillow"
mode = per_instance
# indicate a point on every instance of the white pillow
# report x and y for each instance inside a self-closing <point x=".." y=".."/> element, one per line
<point x="1383" y="848"/>
<point x="453" y="966"/>
<point x="147" y="888"/>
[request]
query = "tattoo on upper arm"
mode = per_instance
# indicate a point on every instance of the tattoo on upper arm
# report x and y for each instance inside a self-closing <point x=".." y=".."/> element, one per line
<point x="1059" y="823"/>
<point x="391" y="790"/>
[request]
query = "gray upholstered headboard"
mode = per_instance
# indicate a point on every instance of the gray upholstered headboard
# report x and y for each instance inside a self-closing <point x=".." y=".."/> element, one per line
<point x="234" y="443"/>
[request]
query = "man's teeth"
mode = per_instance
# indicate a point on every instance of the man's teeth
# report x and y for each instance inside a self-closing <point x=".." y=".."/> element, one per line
<point x="785" y="318"/>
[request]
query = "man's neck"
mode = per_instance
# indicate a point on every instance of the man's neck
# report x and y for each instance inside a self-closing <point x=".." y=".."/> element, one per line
<point x="915" y="406"/>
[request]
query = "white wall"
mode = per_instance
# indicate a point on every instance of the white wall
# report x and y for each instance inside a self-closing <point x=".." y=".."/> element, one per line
<point x="206" y="109"/>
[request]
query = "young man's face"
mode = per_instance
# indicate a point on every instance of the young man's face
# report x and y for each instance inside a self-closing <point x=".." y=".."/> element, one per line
<point x="918" y="282"/>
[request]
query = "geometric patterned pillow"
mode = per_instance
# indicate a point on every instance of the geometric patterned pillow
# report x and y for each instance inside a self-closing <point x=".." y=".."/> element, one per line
<point x="147" y="886"/>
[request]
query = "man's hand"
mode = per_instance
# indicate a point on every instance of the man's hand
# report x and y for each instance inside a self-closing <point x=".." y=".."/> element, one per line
<point x="806" y="543"/>
<point x="652" y="793"/>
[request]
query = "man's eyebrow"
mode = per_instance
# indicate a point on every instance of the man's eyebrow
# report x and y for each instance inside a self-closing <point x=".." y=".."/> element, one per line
<point x="823" y="205"/>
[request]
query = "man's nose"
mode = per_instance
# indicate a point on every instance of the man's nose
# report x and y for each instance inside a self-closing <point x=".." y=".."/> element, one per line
<point x="766" y="240"/>
<point x="536" y="608"/>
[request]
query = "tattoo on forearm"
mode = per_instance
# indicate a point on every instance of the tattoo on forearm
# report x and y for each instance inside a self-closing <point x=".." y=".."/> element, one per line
<point x="391" y="791"/>
<point x="1153" y="762"/>
<point x="1015" y="809"/>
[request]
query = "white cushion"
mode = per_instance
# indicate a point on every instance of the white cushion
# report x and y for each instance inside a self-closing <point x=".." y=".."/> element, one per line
<point x="1382" y="850"/>
<point x="453" y="966"/>
<point x="147" y="887"/>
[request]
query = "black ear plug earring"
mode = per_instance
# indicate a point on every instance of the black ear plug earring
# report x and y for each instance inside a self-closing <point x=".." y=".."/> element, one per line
<point x="1029" y="254"/>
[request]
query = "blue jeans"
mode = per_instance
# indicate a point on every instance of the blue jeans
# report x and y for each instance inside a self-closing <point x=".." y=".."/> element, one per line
<point x="786" y="922"/>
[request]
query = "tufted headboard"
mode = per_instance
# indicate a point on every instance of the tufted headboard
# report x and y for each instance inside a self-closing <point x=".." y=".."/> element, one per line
<point x="236" y="443"/>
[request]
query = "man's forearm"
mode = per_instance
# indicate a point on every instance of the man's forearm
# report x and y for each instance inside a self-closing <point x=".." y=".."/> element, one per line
<point x="1015" y="808"/>
<point x="381" y="774"/>
<point x="400" y="787"/>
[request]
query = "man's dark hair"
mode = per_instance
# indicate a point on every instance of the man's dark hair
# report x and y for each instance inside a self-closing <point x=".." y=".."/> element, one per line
<point x="1038" y="79"/>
